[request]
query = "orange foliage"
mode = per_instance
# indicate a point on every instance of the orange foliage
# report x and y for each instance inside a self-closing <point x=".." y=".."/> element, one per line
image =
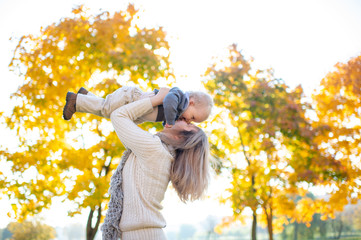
<point x="75" y="159"/>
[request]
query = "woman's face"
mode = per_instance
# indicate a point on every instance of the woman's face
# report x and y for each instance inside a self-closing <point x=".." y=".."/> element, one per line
<point x="180" y="125"/>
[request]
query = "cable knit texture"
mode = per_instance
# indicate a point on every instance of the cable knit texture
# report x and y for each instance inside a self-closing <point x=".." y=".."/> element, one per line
<point x="143" y="175"/>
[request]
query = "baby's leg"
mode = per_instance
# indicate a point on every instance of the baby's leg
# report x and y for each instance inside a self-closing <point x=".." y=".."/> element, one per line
<point x="104" y="107"/>
<point x="150" y="117"/>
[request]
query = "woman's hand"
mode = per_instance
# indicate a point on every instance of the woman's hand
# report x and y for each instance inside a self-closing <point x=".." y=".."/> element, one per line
<point x="158" y="99"/>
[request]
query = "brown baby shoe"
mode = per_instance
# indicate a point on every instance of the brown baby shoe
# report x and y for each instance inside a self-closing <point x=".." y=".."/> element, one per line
<point x="83" y="91"/>
<point x="70" y="107"/>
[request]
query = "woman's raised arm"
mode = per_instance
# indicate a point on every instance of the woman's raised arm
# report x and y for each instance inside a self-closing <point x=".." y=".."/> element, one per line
<point x="132" y="136"/>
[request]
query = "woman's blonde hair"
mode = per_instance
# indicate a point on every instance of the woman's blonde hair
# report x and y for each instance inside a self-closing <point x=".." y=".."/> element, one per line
<point x="190" y="169"/>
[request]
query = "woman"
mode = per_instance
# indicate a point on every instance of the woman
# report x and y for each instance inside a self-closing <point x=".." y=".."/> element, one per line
<point x="178" y="154"/>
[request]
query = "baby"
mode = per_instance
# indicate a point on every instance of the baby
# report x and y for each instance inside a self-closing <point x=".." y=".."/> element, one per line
<point x="177" y="105"/>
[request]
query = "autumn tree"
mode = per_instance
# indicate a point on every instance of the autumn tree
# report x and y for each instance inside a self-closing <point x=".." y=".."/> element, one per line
<point x="74" y="159"/>
<point x="345" y="222"/>
<point x="186" y="231"/>
<point x="338" y="105"/>
<point x="262" y="132"/>
<point x="209" y="225"/>
<point x="31" y="231"/>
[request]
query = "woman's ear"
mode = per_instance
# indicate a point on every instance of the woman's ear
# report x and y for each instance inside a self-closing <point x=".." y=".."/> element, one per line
<point x="176" y="137"/>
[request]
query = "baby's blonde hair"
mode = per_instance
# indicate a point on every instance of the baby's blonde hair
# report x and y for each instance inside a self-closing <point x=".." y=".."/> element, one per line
<point x="202" y="99"/>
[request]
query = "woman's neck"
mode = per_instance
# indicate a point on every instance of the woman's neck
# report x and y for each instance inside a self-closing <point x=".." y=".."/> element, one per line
<point x="166" y="142"/>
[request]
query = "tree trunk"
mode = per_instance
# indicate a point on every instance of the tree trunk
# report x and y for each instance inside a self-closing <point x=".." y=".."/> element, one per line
<point x="310" y="232"/>
<point x="209" y="235"/>
<point x="295" y="231"/>
<point x="323" y="229"/>
<point x="284" y="233"/>
<point x="340" y="230"/>
<point x="254" y="222"/>
<point x="269" y="223"/>
<point x="91" y="231"/>
<point x="254" y="226"/>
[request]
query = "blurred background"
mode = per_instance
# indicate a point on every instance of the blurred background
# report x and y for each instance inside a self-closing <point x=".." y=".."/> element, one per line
<point x="285" y="135"/>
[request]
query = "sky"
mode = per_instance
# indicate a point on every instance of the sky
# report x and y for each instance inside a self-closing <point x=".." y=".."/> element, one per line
<point x="300" y="40"/>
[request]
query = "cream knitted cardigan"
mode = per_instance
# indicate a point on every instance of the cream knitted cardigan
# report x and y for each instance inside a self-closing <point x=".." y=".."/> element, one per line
<point x="146" y="165"/>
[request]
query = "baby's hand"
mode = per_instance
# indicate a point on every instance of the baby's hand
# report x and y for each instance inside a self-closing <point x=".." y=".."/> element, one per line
<point x="168" y="126"/>
<point x="163" y="91"/>
<point x="158" y="99"/>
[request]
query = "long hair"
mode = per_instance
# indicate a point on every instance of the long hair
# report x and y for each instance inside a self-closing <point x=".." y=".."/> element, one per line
<point x="190" y="169"/>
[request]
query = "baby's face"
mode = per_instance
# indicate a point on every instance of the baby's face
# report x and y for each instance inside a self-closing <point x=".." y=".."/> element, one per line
<point x="194" y="114"/>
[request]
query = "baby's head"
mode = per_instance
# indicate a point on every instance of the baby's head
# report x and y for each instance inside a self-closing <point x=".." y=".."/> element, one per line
<point x="199" y="108"/>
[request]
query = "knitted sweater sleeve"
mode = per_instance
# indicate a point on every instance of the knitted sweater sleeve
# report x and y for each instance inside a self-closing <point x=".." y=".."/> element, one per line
<point x="142" y="143"/>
